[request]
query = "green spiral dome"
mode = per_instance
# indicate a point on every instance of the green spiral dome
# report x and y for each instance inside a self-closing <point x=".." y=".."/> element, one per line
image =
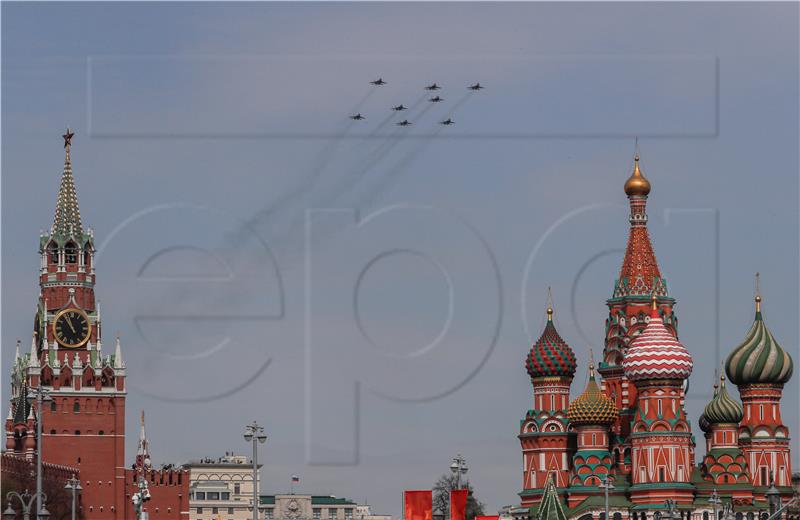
<point x="759" y="358"/>
<point x="723" y="409"/>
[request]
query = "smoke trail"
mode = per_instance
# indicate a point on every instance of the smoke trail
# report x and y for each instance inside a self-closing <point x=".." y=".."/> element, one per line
<point x="321" y="160"/>
<point x="406" y="161"/>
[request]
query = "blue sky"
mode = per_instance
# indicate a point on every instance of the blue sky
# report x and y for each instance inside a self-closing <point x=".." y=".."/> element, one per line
<point x="205" y="133"/>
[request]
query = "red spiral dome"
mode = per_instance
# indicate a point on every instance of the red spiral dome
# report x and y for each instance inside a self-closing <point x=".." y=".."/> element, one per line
<point x="550" y="356"/>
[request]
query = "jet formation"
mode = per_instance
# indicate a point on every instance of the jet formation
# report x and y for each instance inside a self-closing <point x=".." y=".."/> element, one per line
<point x="398" y="108"/>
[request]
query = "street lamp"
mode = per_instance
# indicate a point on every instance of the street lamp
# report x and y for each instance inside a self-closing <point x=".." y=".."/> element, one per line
<point x="715" y="501"/>
<point x="26" y="501"/>
<point x="42" y="396"/>
<point x="773" y="497"/>
<point x="458" y="467"/>
<point x="255" y="434"/>
<point x="607" y="485"/>
<point x="672" y="510"/>
<point x="73" y="485"/>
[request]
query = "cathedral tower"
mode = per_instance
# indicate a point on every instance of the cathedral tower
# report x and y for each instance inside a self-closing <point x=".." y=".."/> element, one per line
<point x="661" y="438"/>
<point x="591" y="415"/>
<point x="629" y="307"/>
<point x="760" y="368"/>
<point x="544" y="436"/>
<point x="724" y="465"/>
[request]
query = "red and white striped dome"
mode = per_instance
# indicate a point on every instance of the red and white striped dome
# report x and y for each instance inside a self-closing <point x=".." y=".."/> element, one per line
<point x="656" y="354"/>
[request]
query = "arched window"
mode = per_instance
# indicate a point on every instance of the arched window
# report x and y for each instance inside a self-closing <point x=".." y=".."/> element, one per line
<point x="52" y="432"/>
<point x="705" y="515"/>
<point x="616" y="516"/>
<point x="101" y="432"/>
<point x="76" y="407"/>
<point x="53" y="406"/>
<point x="77" y="432"/>
<point x="52" y="252"/>
<point x="71" y="253"/>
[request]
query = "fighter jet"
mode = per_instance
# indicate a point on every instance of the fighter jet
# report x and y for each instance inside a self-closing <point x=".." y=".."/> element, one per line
<point x="404" y="122"/>
<point x="399" y="107"/>
<point x="357" y="117"/>
<point x="448" y="122"/>
<point x="436" y="99"/>
<point x="433" y="87"/>
<point x="476" y="86"/>
<point x="378" y="81"/>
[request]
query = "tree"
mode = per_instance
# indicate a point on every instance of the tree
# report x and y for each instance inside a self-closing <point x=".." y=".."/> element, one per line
<point x="441" y="497"/>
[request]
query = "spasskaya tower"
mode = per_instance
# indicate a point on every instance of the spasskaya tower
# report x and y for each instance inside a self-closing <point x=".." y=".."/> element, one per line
<point x="84" y="424"/>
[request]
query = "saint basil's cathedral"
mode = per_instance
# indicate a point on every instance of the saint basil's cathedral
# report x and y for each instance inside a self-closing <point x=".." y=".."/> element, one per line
<point x="630" y="428"/>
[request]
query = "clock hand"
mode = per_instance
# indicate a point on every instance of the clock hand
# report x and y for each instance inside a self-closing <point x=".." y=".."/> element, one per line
<point x="69" y="322"/>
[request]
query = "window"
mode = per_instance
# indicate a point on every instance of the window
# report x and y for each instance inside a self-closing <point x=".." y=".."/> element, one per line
<point x="76" y="407"/>
<point x="214" y="510"/>
<point x="53" y="406"/>
<point x="660" y="412"/>
<point x="225" y="495"/>
<point x="199" y="510"/>
<point x="594" y="439"/>
<point x="268" y="514"/>
<point x="77" y="432"/>
<point x="200" y="495"/>
<point x="237" y="489"/>
<point x="212" y="495"/>
<point x="761" y="411"/>
<point x="662" y="475"/>
<point x="53" y="252"/>
<point x="764" y="479"/>
<point x="317" y="513"/>
<point x="101" y="432"/>
<point x="348" y="514"/>
<point x="333" y="513"/>
<point x="71" y="253"/>
<point x="52" y="432"/>
<point x="230" y="510"/>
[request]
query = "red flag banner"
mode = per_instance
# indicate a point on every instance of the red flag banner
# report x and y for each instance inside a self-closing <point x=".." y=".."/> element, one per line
<point x="487" y="517"/>
<point x="458" y="504"/>
<point x="418" y="505"/>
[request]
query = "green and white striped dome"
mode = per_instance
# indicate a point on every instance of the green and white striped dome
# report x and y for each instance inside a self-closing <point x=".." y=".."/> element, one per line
<point x="723" y="409"/>
<point x="759" y="358"/>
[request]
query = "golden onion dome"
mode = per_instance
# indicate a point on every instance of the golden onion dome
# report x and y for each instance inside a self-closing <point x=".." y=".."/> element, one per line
<point x="592" y="407"/>
<point x="637" y="184"/>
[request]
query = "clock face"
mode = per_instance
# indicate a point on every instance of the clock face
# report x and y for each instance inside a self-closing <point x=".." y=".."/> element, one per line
<point x="72" y="328"/>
